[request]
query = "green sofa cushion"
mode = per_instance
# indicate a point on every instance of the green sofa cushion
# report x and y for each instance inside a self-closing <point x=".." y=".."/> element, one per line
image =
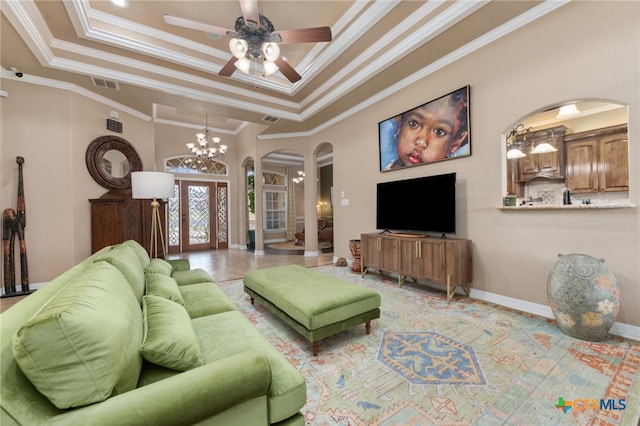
<point x="193" y="276"/>
<point x="180" y="264"/>
<point x="125" y="259"/>
<point x="159" y="266"/>
<point x="83" y="345"/>
<point x="141" y="252"/>
<point x="163" y="286"/>
<point x="169" y="339"/>
<point x="205" y="299"/>
<point x="230" y="333"/>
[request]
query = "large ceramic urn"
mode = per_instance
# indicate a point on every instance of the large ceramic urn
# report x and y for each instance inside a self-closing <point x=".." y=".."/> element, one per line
<point x="584" y="296"/>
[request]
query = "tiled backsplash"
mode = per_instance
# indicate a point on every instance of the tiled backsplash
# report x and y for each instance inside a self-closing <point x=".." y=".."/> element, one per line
<point x="551" y="194"/>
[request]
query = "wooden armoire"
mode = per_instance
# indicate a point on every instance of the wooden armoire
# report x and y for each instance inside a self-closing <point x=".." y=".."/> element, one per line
<point x="116" y="217"/>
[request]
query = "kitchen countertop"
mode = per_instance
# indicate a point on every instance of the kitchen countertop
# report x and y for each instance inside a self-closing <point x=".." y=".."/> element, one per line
<point x="537" y="206"/>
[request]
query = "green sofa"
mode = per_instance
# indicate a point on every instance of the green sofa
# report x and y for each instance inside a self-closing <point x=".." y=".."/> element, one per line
<point x="124" y="339"/>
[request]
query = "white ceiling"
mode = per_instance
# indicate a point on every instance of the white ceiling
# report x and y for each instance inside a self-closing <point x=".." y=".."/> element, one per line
<point x="168" y="74"/>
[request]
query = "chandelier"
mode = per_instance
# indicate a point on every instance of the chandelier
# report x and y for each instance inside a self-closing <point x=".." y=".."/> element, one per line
<point x="207" y="145"/>
<point x="299" y="178"/>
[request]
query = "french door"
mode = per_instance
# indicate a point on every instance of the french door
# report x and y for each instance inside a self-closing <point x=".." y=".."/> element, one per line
<point x="198" y="216"/>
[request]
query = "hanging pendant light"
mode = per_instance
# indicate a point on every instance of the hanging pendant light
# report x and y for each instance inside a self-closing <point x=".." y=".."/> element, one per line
<point x="543" y="148"/>
<point x="515" y="153"/>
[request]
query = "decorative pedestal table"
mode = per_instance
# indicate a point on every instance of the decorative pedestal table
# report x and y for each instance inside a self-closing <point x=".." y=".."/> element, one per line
<point x="354" y="247"/>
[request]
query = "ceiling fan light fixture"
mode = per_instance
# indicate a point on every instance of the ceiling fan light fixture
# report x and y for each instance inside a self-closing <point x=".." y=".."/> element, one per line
<point x="238" y="47"/>
<point x="269" y="67"/>
<point x="271" y="51"/>
<point x="244" y="65"/>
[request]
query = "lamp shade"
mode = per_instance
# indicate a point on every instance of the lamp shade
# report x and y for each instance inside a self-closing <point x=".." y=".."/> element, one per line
<point x="515" y="153"/>
<point x="148" y="185"/>
<point x="543" y="148"/>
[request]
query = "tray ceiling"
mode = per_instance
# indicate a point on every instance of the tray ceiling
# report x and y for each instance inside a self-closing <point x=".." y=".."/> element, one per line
<point x="169" y="74"/>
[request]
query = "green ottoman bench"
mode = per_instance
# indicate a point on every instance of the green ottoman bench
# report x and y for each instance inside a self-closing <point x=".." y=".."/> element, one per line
<point x="316" y="305"/>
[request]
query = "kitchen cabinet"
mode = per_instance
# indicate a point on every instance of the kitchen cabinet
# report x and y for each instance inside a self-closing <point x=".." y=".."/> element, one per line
<point x="549" y="165"/>
<point x="442" y="261"/>
<point x="598" y="160"/>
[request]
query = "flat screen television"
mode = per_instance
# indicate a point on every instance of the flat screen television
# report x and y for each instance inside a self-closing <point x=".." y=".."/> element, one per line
<point x="424" y="204"/>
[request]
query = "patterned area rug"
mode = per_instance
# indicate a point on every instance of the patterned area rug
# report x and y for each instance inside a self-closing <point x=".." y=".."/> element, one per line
<point x="428" y="362"/>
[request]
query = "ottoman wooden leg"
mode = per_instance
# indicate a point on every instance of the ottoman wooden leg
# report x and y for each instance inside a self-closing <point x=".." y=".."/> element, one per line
<point x="367" y="326"/>
<point x="314" y="346"/>
<point x="252" y="300"/>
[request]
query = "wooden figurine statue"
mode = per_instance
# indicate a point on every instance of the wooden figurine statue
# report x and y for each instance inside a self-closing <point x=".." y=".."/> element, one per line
<point x="13" y="224"/>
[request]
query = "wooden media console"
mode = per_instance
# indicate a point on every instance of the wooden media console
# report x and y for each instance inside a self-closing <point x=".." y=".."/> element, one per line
<point x="443" y="261"/>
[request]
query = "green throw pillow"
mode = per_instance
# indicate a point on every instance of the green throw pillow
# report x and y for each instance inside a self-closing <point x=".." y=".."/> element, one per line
<point x="163" y="286"/>
<point x="169" y="339"/>
<point x="141" y="252"/>
<point x="159" y="266"/>
<point x="83" y="345"/>
<point x="126" y="260"/>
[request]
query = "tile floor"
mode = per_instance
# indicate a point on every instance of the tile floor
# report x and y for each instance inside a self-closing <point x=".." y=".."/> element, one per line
<point x="232" y="264"/>
<point x="228" y="264"/>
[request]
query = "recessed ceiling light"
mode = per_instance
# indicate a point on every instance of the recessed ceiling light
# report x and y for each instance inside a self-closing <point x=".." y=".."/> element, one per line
<point x="120" y="3"/>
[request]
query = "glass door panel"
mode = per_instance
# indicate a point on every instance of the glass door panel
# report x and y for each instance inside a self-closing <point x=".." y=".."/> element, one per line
<point x="197" y="216"/>
<point x="197" y="205"/>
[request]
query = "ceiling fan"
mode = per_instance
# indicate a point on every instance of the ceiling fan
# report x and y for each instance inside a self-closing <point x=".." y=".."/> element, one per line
<point x="255" y="38"/>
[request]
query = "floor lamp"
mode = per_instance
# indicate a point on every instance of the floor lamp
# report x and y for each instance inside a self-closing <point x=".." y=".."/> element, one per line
<point x="154" y="186"/>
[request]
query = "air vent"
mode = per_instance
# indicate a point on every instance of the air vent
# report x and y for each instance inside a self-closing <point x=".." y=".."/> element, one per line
<point x="108" y="84"/>
<point x="270" y="118"/>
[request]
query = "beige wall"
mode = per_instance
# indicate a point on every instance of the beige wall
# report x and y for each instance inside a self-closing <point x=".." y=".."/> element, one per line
<point x="581" y="50"/>
<point x="51" y="129"/>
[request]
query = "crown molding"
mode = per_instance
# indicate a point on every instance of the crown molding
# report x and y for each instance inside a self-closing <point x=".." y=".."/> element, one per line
<point x="444" y="20"/>
<point x="70" y="87"/>
<point x="506" y="28"/>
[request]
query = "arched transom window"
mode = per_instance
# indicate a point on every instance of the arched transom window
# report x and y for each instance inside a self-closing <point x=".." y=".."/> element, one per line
<point x="193" y="164"/>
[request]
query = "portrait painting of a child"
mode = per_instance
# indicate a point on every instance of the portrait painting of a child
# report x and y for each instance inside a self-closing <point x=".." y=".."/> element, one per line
<point x="435" y="131"/>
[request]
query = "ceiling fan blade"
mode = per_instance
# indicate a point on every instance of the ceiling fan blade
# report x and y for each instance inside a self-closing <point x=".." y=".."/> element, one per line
<point x="304" y="35"/>
<point x="194" y="25"/>
<point x="286" y="69"/>
<point x="228" y="68"/>
<point x="250" y="12"/>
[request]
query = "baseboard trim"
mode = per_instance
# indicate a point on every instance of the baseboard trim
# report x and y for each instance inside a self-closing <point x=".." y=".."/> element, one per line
<point x="32" y="287"/>
<point x="619" y="329"/>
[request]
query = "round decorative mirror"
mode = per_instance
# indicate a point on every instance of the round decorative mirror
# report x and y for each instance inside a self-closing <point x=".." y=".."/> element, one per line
<point x="110" y="161"/>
